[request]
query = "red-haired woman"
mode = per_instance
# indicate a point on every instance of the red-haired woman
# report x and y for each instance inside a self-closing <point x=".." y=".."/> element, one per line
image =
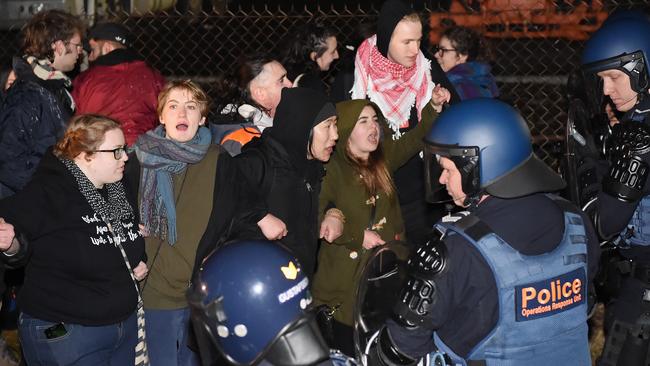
<point x="77" y="231"/>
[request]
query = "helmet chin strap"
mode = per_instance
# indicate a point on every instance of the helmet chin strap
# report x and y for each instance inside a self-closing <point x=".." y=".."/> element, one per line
<point x="637" y="95"/>
<point x="471" y="201"/>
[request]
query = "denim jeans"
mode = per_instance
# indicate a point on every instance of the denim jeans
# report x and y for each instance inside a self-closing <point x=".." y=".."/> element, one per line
<point x="108" y="345"/>
<point x="167" y="332"/>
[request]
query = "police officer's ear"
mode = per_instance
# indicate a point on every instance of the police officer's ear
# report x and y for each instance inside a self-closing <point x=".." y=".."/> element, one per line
<point x="313" y="56"/>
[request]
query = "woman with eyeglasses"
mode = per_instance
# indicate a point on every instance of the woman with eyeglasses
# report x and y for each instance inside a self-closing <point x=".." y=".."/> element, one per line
<point x="75" y="227"/>
<point x="463" y="54"/>
<point x="180" y="173"/>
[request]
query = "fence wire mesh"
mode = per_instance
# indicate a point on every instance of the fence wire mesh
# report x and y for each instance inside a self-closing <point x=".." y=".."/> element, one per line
<point x="535" y="43"/>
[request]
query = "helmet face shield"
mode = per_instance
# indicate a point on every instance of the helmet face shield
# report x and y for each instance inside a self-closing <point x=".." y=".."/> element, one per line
<point x="466" y="160"/>
<point x="633" y="64"/>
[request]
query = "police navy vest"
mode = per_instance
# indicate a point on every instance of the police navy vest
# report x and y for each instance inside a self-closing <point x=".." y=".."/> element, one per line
<point x="542" y="298"/>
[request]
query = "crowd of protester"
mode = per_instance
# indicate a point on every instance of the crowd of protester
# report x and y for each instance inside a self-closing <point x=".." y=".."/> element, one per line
<point x="116" y="185"/>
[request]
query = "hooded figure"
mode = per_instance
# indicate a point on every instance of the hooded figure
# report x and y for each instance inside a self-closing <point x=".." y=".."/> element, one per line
<point x="281" y="176"/>
<point x="399" y="79"/>
<point x="359" y="184"/>
<point x="391" y="71"/>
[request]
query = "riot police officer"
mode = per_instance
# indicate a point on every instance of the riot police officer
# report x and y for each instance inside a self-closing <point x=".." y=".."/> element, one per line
<point x="506" y="284"/>
<point x="617" y="56"/>
<point x="250" y="304"/>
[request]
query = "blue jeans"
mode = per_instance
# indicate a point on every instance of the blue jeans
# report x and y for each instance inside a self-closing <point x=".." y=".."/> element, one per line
<point x="167" y="332"/>
<point x="77" y="345"/>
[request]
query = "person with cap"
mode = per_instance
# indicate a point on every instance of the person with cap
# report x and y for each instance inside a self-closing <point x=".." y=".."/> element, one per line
<point x="38" y="105"/>
<point x="118" y="84"/>
<point x="506" y="284"/>
<point x="392" y="72"/>
<point x="615" y="60"/>
<point x="282" y="173"/>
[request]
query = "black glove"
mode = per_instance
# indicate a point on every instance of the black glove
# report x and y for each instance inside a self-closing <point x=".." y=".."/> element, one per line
<point x="384" y="353"/>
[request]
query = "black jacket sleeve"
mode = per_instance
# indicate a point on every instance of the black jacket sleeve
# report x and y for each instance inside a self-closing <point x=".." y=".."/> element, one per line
<point x="20" y="258"/>
<point x="227" y="211"/>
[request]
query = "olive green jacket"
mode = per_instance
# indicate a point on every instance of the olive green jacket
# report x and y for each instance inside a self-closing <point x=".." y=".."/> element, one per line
<point x="340" y="263"/>
<point x="170" y="267"/>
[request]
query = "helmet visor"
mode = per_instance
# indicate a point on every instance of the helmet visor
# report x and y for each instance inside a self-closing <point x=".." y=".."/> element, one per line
<point x="466" y="160"/>
<point x="624" y="62"/>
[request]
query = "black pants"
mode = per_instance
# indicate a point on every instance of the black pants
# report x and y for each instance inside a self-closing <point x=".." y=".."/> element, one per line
<point x="621" y="313"/>
<point x="343" y="338"/>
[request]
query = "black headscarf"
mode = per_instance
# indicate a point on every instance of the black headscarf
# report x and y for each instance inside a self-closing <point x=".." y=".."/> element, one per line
<point x="300" y="109"/>
<point x="392" y="12"/>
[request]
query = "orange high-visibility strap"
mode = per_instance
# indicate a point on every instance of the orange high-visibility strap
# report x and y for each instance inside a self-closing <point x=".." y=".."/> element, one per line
<point x="242" y="135"/>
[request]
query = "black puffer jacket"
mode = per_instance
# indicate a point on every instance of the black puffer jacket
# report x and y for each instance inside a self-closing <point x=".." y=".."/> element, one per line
<point x="278" y="175"/>
<point x="32" y="118"/>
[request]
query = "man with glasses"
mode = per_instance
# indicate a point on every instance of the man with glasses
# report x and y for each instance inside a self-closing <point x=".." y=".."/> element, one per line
<point x="38" y="104"/>
<point x="118" y="84"/>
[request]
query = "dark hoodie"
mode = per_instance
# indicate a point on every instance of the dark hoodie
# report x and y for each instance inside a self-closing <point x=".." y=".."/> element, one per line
<point x="74" y="274"/>
<point x="336" y="280"/>
<point x="278" y="174"/>
<point x="409" y="179"/>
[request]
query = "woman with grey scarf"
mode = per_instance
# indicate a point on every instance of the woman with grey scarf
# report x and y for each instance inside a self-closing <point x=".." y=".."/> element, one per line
<point x="178" y="182"/>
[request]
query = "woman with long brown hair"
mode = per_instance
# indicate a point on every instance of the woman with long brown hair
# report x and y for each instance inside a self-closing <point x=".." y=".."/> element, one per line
<point x="359" y="204"/>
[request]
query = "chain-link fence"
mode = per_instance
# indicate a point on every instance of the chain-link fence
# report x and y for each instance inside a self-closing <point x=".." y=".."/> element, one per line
<point x="536" y="44"/>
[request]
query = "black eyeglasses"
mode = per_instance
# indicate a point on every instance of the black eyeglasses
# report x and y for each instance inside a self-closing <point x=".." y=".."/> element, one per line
<point x="117" y="152"/>
<point x="437" y="49"/>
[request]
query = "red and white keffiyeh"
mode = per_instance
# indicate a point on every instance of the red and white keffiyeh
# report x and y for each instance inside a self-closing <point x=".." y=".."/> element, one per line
<point x="393" y="87"/>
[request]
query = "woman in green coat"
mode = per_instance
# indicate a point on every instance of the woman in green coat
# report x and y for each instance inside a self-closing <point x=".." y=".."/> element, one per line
<point x="358" y="191"/>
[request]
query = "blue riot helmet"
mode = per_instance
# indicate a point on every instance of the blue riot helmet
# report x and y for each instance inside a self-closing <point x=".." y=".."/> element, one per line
<point x="622" y="44"/>
<point x="250" y="301"/>
<point x="490" y="144"/>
